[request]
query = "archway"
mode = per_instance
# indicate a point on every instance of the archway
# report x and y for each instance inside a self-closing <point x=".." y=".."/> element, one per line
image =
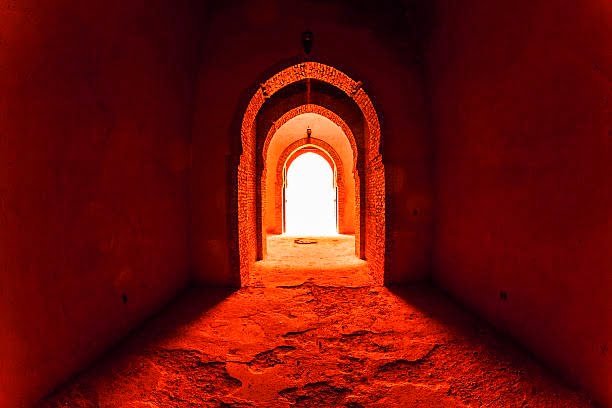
<point x="348" y="178"/>
<point x="344" y="187"/>
<point x="310" y="194"/>
<point x="247" y="217"/>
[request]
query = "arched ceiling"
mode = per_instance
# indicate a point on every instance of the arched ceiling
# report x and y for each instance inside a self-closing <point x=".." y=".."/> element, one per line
<point x="322" y="128"/>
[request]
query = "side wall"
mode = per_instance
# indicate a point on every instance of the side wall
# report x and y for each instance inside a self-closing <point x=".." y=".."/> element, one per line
<point x="95" y="109"/>
<point x="522" y="99"/>
<point x="244" y="43"/>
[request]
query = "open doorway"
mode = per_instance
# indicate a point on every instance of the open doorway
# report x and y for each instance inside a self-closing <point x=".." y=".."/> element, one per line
<point x="311" y="193"/>
<point x="256" y="204"/>
<point x="309" y="189"/>
<point x="310" y="197"/>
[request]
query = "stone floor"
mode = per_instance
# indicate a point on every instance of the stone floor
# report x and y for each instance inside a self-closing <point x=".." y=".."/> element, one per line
<point x="321" y="260"/>
<point x="311" y="331"/>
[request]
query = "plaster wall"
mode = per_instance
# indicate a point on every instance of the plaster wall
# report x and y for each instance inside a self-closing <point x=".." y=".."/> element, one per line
<point x="95" y="109"/>
<point x="521" y="98"/>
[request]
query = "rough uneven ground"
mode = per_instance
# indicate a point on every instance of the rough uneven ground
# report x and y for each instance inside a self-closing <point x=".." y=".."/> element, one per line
<point x="315" y="334"/>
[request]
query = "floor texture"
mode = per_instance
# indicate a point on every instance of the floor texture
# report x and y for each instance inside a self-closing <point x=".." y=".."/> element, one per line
<point x="311" y="331"/>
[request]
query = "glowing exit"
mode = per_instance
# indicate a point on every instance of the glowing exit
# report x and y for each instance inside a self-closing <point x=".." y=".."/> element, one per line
<point x="310" y="197"/>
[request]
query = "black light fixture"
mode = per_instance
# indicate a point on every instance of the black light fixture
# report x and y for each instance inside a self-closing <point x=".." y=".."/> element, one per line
<point x="307" y="40"/>
<point x="308" y="131"/>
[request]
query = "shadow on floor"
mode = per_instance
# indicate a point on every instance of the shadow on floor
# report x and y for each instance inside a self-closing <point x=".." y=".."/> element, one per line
<point x="488" y="345"/>
<point x="83" y="389"/>
<point x="316" y="345"/>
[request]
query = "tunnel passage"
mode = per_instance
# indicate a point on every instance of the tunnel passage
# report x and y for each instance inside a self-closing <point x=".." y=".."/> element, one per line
<point x="306" y="86"/>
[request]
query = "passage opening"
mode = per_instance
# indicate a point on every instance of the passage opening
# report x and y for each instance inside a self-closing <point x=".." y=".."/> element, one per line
<point x="310" y="197"/>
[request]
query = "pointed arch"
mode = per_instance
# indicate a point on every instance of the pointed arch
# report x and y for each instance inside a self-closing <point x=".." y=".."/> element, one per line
<point x="329" y="154"/>
<point x="246" y="213"/>
<point x="278" y="210"/>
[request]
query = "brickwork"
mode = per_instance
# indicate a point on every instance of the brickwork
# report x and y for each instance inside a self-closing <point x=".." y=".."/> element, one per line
<point x="375" y="217"/>
<point x="247" y="230"/>
<point x="374" y="171"/>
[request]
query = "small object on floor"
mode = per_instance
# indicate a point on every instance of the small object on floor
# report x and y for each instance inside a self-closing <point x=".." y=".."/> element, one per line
<point x="305" y="241"/>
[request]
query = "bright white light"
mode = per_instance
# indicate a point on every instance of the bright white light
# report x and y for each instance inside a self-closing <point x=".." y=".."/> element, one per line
<point x="310" y="206"/>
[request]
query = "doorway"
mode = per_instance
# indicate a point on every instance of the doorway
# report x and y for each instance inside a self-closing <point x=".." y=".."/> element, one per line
<point x="253" y="210"/>
<point x="310" y="197"/>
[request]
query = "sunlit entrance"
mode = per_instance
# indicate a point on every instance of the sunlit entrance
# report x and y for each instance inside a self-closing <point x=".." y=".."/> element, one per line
<point x="310" y="197"/>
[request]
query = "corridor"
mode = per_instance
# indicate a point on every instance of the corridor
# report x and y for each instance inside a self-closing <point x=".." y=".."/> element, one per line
<point x="315" y="334"/>
<point x="462" y="250"/>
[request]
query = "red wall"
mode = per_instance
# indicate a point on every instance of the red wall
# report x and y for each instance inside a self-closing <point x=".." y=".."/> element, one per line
<point x="242" y="44"/>
<point x="95" y="108"/>
<point x="522" y="103"/>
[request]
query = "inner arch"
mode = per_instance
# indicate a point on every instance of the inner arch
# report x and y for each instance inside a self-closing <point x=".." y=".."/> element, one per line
<point x="328" y="136"/>
<point x="245" y="218"/>
<point x="310" y="196"/>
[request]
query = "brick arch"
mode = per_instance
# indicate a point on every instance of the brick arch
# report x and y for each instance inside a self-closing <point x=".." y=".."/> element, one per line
<point x="291" y="153"/>
<point x="319" y="110"/>
<point x="246" y="214"/>
<point x="324" y="73"/>
<point x="317" y="146"/>
<point x="262" y="175"/>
